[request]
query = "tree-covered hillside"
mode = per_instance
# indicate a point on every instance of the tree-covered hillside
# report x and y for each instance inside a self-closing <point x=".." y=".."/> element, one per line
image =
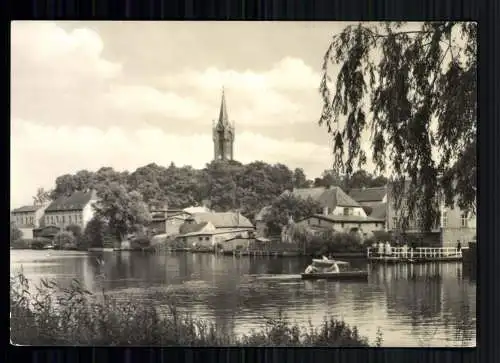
<point x="224" y="185"/>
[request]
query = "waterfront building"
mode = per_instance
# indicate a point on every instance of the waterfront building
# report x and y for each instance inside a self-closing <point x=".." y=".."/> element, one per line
<point x="29" y="217"/>
<point x="453" y="226"/>
<point x="333" y="201"/>
<point x="205" y="230"/>
<point x="158" y="224"/>
<point x="362" y="225"/>
<point x="373" y="200"/>
<point x="75" y="209"/>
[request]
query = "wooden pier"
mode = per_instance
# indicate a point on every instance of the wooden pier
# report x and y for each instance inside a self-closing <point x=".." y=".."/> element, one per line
<point x="415" y="255"/>
<point x="263" y="252"/>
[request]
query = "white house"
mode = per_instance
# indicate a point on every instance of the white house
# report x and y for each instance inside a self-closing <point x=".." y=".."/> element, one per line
<point x="364" y="226"/>
<point x="74" y="209"/>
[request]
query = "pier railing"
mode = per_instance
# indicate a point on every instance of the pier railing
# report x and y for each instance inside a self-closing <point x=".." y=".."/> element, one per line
<point x="419" y="252"/>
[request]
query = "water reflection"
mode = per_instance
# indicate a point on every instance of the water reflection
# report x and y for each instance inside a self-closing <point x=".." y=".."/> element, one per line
<point x="414" y="305"/>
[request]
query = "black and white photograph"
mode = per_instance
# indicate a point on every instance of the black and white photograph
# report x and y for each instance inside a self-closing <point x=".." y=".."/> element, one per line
<point x="219" y="183"/>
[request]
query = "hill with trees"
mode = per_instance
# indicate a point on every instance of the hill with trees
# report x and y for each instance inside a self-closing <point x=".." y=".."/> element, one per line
<point x="225" y="185"/>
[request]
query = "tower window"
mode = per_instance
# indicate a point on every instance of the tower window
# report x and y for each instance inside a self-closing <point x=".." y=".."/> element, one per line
<point x="464" y="219"/>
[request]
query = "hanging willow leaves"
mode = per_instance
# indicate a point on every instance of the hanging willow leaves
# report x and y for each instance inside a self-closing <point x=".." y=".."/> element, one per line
<point x="412" y="88"/>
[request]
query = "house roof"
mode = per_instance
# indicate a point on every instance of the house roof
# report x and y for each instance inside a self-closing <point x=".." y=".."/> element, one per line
<point x="191" y="227"/>
<point x="328" y="197"/>
<point x="379" y="211"/>
<point x="223" y="220"/>
<point x="26" y="209"/>
<point x="211" y="233"/>
<point x="342" y="218"/>
<point x="192" y="210"/>
<point x="76" y="201"/>
<point x="368" y="194"/>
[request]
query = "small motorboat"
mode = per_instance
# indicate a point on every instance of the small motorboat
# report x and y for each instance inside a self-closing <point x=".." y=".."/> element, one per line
<point x="353" y="275"/>
<point x="323" y="269"/>
<point x="325" y="262"/>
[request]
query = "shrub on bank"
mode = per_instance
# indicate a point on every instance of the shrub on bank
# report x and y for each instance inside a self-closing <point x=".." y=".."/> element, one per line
<point x="20" y="244"/>
<point x="65" y="240"/>
<point x="74" y="316"/>
<point x="327" y="242"/>
<point x="140" y="242"/>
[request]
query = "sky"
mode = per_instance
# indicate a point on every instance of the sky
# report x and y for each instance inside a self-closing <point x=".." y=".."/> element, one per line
<point x="125" y="94"/>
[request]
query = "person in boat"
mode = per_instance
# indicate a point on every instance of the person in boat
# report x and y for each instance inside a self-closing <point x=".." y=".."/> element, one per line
<point x="459" y="246"/>
<point x="335" y="268"/>
<point x="404" y="250"/>
<point x="380" y="249"/>
<point x="311" y="269"/>
<point x="388" y="249"/>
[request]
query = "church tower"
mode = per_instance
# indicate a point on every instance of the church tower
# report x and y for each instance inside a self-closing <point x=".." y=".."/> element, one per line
<point x="223" y="134"/>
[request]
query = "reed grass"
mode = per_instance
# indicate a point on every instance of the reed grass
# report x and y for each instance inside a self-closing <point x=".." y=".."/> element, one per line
<point x="52" y="315"/>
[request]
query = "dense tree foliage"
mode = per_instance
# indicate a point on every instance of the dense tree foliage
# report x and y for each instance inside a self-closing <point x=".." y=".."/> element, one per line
<point x="76" y="231"/>
<point x="95" y="232"/>
<point x="41" y="196"/>
<point x="15" y="233"/>
<point x="224" y="185"/>
<point x="121" y="209"/>
<point x="358" y="179"/>
<point x="288" y="206"/>
<point x="65" y="240"/>
<point x="415" y="91"/>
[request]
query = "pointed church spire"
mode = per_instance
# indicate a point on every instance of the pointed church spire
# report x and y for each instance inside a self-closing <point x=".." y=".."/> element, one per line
<point x="223" y="119"/>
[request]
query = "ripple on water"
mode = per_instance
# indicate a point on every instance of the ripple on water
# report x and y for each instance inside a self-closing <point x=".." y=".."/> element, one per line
<point x="226" y="291"/>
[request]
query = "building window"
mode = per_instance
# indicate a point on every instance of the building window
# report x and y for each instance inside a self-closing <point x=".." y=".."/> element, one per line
<point x="464" y="219"/>
<point x="69" y="219"/>
<point x="207" y="238"/>
<point x="200" y="238"/>
<point x="444" y="221"/>
<point x="63" y="219"/>
<point x="342" y="225"/>
<point x="319" y="221"/>
<point x="346" y="211"/>
<point x="394" y="222"/>
<point x="308" y="221"/>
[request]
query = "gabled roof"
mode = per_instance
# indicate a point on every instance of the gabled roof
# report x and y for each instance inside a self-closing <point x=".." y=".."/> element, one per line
<point x="212" y="232"/>
<point x="350" y="218"/>
<point x="368" y="194"/>
<point x="192" y="210"/>
<point x="76" y="201"/>
<point x="191" y="227"/>
<point x="27" y="209"/>
<point x="223" y="220"/>
<point x="328" y="197"/>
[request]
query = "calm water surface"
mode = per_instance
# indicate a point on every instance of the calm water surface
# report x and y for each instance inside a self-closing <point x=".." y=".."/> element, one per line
<point x="421" y="305"/>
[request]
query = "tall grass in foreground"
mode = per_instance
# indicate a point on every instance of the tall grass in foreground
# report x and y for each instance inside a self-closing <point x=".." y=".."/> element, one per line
<point x="74" y="316"/>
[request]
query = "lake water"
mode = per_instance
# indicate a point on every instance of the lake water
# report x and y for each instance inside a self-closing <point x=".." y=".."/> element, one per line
<point x="413" y="305"/>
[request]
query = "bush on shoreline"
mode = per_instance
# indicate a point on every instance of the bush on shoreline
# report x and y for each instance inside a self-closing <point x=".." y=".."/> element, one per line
<point x="74" y="316"/>
<point x="328" y="242"/>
